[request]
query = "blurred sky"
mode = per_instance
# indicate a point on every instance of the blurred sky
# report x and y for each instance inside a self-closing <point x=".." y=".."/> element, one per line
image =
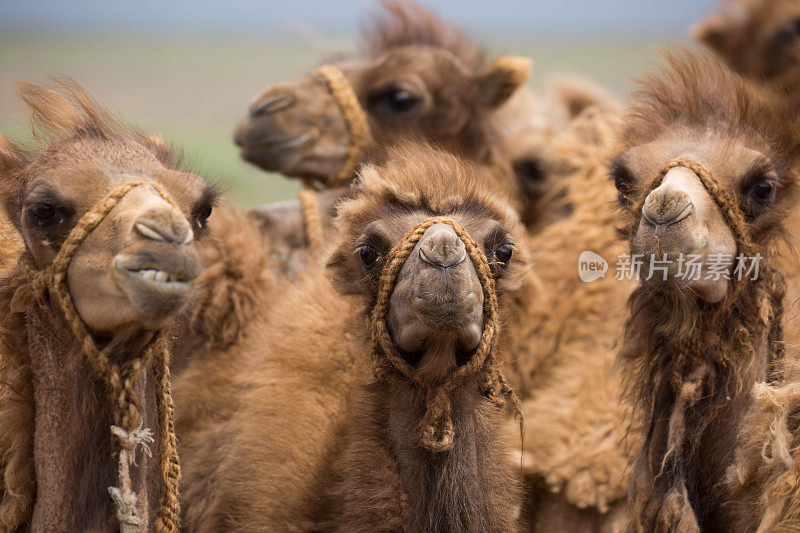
<point x="188" y="68"/>
<point x="548" y="19"/>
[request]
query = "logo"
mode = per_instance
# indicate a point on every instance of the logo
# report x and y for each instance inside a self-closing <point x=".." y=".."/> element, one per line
<point x="591" y="266"/>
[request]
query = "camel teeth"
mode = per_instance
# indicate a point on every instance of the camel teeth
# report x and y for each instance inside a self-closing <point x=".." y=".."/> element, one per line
<point x="158" y="276"/>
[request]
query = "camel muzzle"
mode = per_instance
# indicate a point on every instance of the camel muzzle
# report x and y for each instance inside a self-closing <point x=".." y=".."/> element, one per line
<point x="667" y="205"/>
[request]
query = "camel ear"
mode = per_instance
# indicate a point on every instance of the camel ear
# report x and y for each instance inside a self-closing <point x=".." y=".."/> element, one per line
<point x="12" y="161"/>
<point x="51" y="111"/>
<point x="504" y="76"/>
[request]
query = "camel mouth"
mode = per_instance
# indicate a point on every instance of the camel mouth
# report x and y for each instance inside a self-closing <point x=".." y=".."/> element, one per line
<point x="462" y="355"/>
<point x="273" y="144"/>
<point x="157" y="287"/>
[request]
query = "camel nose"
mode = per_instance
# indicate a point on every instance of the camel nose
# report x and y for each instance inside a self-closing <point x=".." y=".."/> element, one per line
<point x="164" y="225"/>
<point x="270" y="101"/>
<point x="441" y="247"/>
<point x="666" y="205"/>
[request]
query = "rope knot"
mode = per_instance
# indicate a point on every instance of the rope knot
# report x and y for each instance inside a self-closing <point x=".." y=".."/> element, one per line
<point x="139" y="437"/>
<point x="436" y="427"/>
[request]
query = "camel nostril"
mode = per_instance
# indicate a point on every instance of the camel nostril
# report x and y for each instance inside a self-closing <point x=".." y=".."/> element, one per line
<point x="176" y="234"/>
<point x="664" y="207"/>
<point x="270" y="105"/>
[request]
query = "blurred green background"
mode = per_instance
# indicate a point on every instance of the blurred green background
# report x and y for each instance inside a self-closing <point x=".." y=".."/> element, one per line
<point x="193" y="87"/>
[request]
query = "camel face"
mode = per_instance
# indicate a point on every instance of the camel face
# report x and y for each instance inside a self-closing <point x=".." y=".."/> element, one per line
<point x="137" y="267"/>
<point x="412" y="91"/>
<point x="680" y="222"/>
<point x="758" y="38"/>
<point x="436" y="308"/>
<point x="282" y="131"/>
<point x="137" y="264"/>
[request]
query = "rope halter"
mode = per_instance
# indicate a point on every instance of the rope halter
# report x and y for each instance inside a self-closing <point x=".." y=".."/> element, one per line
<point x="436" y="427"/>
<point x="119" y="379"/>
<point x="354" y="117"/>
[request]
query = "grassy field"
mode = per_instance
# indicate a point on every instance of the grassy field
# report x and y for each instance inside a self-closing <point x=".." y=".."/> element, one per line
<point x="193" y="90"/>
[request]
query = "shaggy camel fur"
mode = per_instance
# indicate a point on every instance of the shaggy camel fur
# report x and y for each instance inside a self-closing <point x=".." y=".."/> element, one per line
<point x="418" y="77"/>
<point x="706" y="162"/>
<point x="576" y="472"/>
<point x="759" y="39"/>
<point x="68" y="412"/>
<point x="235" y="286"/>
<point x="312" y="438"/>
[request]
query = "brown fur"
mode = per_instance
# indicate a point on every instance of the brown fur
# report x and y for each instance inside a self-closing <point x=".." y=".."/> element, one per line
<point x="686" y="361"/>
<point x="566" y="347"/>
<point x="235" y="285"/>
<point x="757" y="38"/>
<point x="295" y="426"/>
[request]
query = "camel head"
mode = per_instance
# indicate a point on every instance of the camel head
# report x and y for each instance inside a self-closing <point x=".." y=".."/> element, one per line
<point x="758" y="38"/>
<point x="419" y="78"/>
<point x="698" y="119"/>
<point x="436" y="308"/>
<point x="136" y="268"/>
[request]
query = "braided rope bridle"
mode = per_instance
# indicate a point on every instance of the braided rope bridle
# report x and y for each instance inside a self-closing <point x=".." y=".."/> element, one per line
<point x="120" y="380"/>
<point x="436" y="427"/>
<point x="358" y="128"/>
<point x="354" y="117"/>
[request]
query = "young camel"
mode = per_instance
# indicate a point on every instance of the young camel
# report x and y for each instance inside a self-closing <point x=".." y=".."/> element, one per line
<point x="377" y="451"/>
<point x="109" y="260"/>
<point x="707" y="165"/>
<point x="419" y="77"/>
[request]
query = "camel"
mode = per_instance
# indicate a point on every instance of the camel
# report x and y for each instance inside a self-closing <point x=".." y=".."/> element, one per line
<point x="706" y="165"/>
<point x="418" y="77"/>
<point x="531" y="136"/>
<point x="318" y="434"/>
<point x="760" y="39"/>
<point x="110" y="227"/>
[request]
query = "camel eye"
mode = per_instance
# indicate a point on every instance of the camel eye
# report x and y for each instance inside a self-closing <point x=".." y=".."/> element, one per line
<point x="44" y="214"/>
<point x="202" y="217"/>
<point x="393" y="101"/>
<point x="623" y="181"/>
<point x="503" y="253"/>
<point x="788" y="34"/>
<point x="368" y="255"/>
<point x="762" y="191"/>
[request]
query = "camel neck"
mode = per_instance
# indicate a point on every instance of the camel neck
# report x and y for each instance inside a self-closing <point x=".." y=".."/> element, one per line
<point x="73" y="447"/>
<point x="702" y="390"/>
<point x="453" y="490"/>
